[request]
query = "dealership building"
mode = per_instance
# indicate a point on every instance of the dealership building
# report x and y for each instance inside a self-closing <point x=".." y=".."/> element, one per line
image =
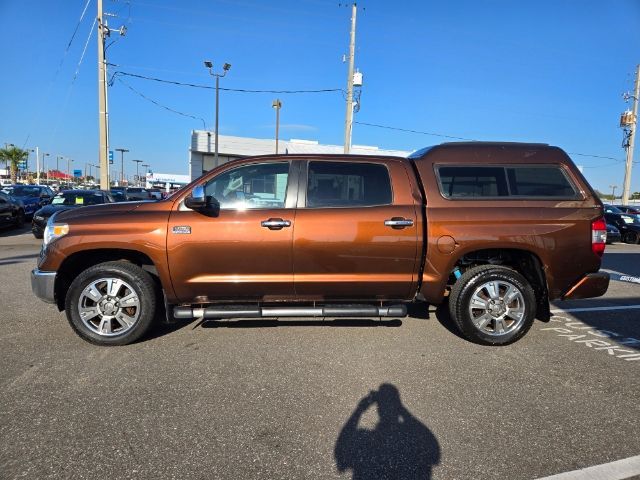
<point x="202" y="157"/>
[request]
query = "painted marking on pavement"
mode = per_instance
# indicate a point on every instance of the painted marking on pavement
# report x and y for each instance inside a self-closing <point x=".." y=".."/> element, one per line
<point x="622" y="277"/>
<point x="580" y="333"/>
<point x="596" y="309"/>
<point x="618" y="470"/>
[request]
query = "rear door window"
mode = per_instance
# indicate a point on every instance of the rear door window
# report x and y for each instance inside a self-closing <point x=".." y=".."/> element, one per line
<point x="345" y="184"/>
<point x="539" y="182"/>
<point x="472" y="182"/>
<point x="524" y="181"/>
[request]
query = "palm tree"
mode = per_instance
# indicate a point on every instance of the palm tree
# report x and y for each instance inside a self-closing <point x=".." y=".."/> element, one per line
<point x="12" y="156"/>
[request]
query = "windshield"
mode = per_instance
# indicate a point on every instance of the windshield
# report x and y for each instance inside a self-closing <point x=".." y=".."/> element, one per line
<point x="77" y="198"/>
<point x="612" y="209"/>
<point x="25" y="191"/>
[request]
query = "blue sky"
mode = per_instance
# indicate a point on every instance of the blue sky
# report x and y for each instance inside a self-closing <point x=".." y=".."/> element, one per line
<point x="542" y="71"/>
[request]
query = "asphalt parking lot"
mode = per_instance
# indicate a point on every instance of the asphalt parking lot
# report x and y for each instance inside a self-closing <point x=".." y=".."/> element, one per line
<point x="311" y="399"/>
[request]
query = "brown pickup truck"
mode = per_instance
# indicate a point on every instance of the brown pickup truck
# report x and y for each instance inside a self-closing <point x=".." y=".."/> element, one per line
<point x="495" y="229"/>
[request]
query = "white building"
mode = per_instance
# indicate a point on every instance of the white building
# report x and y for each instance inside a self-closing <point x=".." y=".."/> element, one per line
<point x="230" y="148"/>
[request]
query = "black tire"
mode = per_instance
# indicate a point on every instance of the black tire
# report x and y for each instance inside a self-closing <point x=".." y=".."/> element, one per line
<point x="39" y="235"/>
<point x="465" y="288"/>
<point x="20" y="219"/>
<point x="631" y="237"/>
<point x="140" y="282"/>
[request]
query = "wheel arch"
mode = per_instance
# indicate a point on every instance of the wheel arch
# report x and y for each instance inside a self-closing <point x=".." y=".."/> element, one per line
<point x="524" y="261"/>
<point x="77" y="262"/>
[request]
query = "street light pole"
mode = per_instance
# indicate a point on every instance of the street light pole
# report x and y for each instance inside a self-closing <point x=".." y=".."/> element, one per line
<point x="44" y="166"/>
<point x="225" y="69"/>
<point x="277" y="104"/>
<point x="138" y="162"/>
<point x="122" y="152"/>
<point x="613" y="192"/>
<point x="69" y="160"/>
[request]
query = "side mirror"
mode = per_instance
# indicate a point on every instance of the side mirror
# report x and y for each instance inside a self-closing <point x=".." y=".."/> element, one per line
<point x="202" y="203"/>
<point x="197" y="199"/>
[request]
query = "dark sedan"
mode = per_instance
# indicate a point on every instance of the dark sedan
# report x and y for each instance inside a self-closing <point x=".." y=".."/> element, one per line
<point x="64" y="201"/>
<point x="613" y="234"/>
<point x="33" y="197"/>
<point x="11" y="210"/>
<point x="629" y="225"/>
<point x="629" y="209"/>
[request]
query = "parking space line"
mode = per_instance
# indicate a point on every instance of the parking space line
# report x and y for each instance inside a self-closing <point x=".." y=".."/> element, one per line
<point x="596" y="309"/>
<point x="618" y="470"/>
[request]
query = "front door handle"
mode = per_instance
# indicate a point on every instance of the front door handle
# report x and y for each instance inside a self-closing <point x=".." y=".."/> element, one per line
<point x="275" y="223"/>
<point x="398" y="223"/>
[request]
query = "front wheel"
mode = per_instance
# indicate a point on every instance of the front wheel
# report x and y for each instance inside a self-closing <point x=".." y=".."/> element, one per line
<point x="631" y="237"/>
<point x="111" y="303"/>
<point x="492" y="305"/>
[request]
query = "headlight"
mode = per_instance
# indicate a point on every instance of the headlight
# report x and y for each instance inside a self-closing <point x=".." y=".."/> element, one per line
<point x="54" y="231"/>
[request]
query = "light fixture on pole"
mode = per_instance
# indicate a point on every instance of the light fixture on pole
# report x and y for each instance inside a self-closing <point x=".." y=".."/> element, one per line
<point x="122" y="152"/>
<point x="277" y="104"/>
<point x="225" y="68"/>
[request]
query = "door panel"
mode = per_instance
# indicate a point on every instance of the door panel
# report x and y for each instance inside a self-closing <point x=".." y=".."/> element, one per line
<point x="243" y="251"/>
<point x="230" y="256"/>
<point x="349" y="253"/>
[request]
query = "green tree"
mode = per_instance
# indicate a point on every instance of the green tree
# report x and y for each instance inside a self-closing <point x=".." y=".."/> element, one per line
<point x="12" y="156"/>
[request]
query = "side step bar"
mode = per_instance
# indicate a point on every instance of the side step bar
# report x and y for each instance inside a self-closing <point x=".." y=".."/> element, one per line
<point x="236" y="311"/>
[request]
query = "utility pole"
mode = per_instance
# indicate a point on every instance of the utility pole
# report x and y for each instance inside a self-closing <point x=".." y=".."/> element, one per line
<point x="225" y="69"/>
<point x="138" y="162"/>
<point x="626" y="189"/>
<point x="348" y="124"/>
<point x="277" y="104"/>
<point x="103" y="115"/>
<point x="122" y="152"/>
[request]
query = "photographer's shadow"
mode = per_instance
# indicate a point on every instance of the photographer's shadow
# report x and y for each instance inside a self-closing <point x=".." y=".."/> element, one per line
<point x="399" y="447"/>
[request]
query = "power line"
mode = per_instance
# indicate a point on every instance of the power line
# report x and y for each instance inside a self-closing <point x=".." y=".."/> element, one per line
<point x="73" y="81"/>
<point x="387" y="127"/>
<point x="209" y="87"/>
<point x="155" y="102"/>
<point x="64" y="56"/>
<point x="415" y="131"/>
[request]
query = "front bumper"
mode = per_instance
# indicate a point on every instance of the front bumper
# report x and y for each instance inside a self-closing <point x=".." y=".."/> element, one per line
<point x="589" y="286"/>
<point x="43" y="285"/>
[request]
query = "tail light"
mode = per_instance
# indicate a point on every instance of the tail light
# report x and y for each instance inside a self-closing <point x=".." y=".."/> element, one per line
<point x="598" y="236"/>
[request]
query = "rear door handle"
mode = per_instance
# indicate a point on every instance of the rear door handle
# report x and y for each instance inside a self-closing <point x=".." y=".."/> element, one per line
<point x="275" y="223"/>
<point x="398" y="223"/>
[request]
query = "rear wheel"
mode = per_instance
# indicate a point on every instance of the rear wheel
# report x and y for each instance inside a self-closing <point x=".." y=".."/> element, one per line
<point x="631" y="237"/>
<point x="492" y="305"/>
<point x="111" y="303"/>
<point x="20" y="219"/>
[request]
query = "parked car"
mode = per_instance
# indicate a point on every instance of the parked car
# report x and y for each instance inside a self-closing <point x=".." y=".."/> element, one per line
<point x="11" y="210"/>
<point x="119" y="195"/>
<point x="613" y="234"/>
<point x="497" y="230"/>
<point x="138" y="193"/>
<point x="630" y="210"/>
<point x="33" y="197"/>
<point x="155" y="193"/>
<point x="66" y="200"/>
<point x="628" y="225"/>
